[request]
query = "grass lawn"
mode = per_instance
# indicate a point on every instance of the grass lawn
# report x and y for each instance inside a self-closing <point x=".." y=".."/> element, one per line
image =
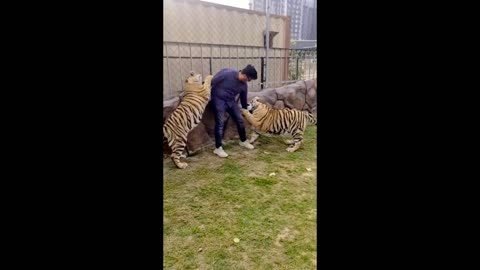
<point x="215" y="200"/>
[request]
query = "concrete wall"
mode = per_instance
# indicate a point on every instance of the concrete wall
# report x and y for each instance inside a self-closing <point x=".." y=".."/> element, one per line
<point x="204" y="22"/>
<point x="206" y="37"/>
<point x="301" y="95"/>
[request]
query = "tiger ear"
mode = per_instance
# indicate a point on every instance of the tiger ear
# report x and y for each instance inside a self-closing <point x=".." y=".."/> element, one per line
<point x="186" y="81"/>
<point x="192" y="73"/>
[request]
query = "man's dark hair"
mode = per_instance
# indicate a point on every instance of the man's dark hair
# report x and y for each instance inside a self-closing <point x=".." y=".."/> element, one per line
<point x="250" y="71"/>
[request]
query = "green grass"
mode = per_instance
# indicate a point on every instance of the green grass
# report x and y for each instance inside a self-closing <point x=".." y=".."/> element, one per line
<point x="215" y="200"/>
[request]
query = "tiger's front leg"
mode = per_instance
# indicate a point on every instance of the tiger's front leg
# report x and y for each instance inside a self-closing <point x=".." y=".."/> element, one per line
<point x="249" y="117"/>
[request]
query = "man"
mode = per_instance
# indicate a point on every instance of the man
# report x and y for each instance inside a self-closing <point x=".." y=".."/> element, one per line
<point x="225" y="86"/>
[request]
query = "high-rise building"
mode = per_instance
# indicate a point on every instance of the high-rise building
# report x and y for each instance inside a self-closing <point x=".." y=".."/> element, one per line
<point x="303" y="14"/>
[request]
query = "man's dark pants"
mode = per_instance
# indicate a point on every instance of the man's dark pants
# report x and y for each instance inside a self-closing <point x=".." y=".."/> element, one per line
<point x="219" y="109"/>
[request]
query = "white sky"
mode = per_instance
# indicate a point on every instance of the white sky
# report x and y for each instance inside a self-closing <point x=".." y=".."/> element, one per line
<point x="232" y="3"/>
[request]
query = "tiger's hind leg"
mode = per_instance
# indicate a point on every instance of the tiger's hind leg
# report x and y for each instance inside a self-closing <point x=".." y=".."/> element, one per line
<point x="297" y="141"/>
<point x="185" y="153"/>
<point x="295" y="146"/>
<point x="177" y="150"/>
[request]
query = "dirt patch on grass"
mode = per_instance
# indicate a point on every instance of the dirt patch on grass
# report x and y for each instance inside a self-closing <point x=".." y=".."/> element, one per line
<point x="285" y="235"/>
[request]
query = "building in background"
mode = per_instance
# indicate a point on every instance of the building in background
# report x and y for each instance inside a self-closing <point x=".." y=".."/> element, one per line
<point x="303" y="14"/>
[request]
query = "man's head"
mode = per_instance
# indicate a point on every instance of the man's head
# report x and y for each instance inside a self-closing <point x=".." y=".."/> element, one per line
<point x="247" y="74"/>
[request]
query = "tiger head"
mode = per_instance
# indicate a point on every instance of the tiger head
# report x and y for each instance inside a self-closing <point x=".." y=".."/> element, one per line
<point x="194" y="78"/>
<point x="254" y="104"/>
<point x="195" y="85"/>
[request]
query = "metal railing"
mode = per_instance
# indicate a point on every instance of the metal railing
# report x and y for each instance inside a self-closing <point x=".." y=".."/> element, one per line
<point x="284" y="65"/>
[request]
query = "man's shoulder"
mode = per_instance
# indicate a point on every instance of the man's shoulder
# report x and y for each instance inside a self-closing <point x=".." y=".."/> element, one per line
<point x="232" y="71"/>
<point x="228" y="70"/>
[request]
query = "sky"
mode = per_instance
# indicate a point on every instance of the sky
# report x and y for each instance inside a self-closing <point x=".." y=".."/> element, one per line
<point x="232" y="3"/>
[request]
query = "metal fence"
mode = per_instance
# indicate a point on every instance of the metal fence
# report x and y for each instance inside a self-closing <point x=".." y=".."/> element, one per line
<point x="284" y="65"/>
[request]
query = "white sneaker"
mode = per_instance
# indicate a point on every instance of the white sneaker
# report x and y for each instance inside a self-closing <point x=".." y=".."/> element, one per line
<point x="219" y="152"/>
<point x="246" y="144"/>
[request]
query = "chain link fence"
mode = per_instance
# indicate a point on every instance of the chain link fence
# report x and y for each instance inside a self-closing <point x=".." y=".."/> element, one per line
<point x="194" y="21"/>
<point x="284" y="65"/>
<point x="206" y="37"/>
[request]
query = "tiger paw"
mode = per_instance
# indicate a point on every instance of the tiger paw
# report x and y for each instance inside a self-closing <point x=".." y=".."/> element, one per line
<point x="253" y="137"/>
<point x="181" y="165"/>
<point x="291" y="149"/>
<point x="244" y="111"/>
<point x="288" y="141"/>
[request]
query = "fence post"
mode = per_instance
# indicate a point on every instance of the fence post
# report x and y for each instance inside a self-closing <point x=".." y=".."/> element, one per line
<point x="168" y="72"/>
<point x="201" y="57"/>
<point x="261" y="72"/>
<point x="267" y="42"/>
<point x="211" y="65"/>
<point x="296" y="77"/>
<point x="191" y="60"/>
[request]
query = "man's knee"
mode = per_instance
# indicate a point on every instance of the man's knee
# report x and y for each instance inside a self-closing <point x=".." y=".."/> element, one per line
<point x="219" y="115"/>
<point x="237" y="116"/>
<point x="219" y="119"/>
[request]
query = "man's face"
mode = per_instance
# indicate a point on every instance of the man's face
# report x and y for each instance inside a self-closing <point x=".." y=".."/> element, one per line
<point x="244" y="78"/>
